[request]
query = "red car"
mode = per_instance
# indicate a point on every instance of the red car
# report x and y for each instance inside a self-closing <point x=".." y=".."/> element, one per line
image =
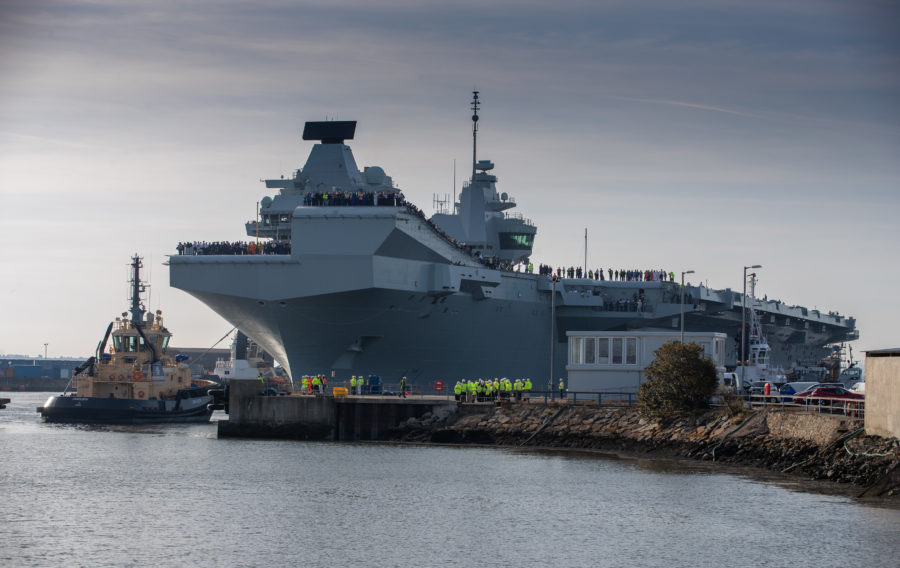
<point x="827" y="392"/>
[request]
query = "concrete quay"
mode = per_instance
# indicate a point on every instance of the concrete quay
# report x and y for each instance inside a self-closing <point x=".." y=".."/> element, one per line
<point x="299" y="417"/>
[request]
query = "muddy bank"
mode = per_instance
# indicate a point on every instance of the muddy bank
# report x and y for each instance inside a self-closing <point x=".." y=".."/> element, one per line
<point x="816" y="446"/>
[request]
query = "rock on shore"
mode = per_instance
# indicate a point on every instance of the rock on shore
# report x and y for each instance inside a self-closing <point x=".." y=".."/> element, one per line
<point x="818" y="446"/>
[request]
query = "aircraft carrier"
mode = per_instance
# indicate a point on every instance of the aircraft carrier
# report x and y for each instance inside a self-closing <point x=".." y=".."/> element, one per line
<point x="354" y="280"/>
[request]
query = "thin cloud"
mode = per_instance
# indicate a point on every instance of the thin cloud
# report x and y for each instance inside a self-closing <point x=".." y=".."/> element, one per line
<point x="770" y="116"/>
<point x="699" y="107"/>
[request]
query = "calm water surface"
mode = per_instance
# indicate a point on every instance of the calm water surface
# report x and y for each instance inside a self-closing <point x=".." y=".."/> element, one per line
<point x="176" y="496"/>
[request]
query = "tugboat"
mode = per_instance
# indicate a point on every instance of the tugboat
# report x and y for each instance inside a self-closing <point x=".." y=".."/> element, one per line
<point x="135" y="382"/>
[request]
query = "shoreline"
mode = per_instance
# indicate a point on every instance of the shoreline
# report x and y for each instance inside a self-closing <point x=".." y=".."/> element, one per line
<point x="802" y="446"/>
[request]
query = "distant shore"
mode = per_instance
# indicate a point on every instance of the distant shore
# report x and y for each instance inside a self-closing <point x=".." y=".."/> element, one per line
<point x="39" y="384"/>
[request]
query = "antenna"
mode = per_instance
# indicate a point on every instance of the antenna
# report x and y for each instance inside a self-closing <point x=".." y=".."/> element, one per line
<point x="454" y="186"/>
<point x="137" y="287"/>
<point x="440" y="205"/>
<point x="474" y="130"/>
<point x="150" y="279"/>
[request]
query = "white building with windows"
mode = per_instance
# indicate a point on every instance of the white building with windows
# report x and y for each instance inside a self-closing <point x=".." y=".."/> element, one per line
<point x="614" y="361"/>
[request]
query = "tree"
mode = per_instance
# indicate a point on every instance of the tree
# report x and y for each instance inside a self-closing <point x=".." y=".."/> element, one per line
<point x="680" y="381"/>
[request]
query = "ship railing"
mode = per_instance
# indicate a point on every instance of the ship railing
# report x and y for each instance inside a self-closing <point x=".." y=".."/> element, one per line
<point x="519" y="217"/>
<point x="623" y="306"/>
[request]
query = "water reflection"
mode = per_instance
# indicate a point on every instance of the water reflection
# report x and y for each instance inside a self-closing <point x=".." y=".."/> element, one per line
<point x="176" y="496"/>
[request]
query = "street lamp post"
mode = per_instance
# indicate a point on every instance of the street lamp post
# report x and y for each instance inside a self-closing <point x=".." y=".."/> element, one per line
<point x="683" y="272"/>
<point x="744" y="319"/>
<point x="552" y="335"/>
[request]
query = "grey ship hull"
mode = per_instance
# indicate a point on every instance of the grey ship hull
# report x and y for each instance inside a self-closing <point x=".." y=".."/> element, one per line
<point x="389" y="296"/>
<point x="394" y="333"/>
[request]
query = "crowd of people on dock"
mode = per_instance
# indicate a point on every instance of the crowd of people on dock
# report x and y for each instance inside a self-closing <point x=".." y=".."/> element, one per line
<point x="233" y="248"/>
<point x="311" y="384"/>
<point x="487" y="390"/>
<point x="357" y="385"/>
<point x="464" y="391"/>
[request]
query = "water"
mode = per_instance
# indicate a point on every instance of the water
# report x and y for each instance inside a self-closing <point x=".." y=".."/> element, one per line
<point x="174" y="495"/>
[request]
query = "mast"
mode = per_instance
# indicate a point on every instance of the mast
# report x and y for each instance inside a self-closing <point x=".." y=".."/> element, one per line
<point x="585" y="252"/>
<point x="453" y="210"/>
<point x="474" y="130"/>
<point x="137" y="287"/>
<point x="755" y="328"/>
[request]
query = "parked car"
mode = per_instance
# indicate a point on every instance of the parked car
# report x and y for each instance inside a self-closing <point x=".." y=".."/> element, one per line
<point x="801" y="386"/>
<point x="758" y="388"/>
<point x="827" y="392"/>
<point x="729" y="381"/>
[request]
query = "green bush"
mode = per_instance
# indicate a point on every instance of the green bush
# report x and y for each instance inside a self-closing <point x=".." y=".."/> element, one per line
<point x="680" y="381"/>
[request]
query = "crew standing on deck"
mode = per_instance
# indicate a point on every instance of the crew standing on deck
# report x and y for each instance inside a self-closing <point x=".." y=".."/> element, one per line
<point x="402" y="388"/>
<point x="562" y="389"/>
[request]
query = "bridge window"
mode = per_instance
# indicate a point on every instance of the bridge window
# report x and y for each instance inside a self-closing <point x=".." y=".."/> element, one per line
<point x="516" y="240"/>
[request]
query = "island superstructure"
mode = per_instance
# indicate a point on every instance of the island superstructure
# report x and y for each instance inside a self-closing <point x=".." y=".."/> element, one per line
<point x="359" y="281"/>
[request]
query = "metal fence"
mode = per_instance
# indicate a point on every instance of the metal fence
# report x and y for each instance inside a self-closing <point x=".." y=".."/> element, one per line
<point x="824" y="404"/>
<point x="609" y="399"/>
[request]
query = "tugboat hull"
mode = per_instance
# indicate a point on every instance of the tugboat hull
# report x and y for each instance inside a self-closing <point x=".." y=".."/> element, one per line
<point x="87" y="410"/>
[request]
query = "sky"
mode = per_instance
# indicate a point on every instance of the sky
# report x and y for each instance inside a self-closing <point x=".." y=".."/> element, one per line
<point x="695" y="135"/>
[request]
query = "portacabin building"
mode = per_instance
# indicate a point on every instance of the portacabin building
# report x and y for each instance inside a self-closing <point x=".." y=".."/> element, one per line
<point x="614" y="361"/>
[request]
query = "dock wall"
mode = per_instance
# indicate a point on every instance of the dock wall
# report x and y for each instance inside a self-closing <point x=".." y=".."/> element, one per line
<point x="320" y="417"/>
